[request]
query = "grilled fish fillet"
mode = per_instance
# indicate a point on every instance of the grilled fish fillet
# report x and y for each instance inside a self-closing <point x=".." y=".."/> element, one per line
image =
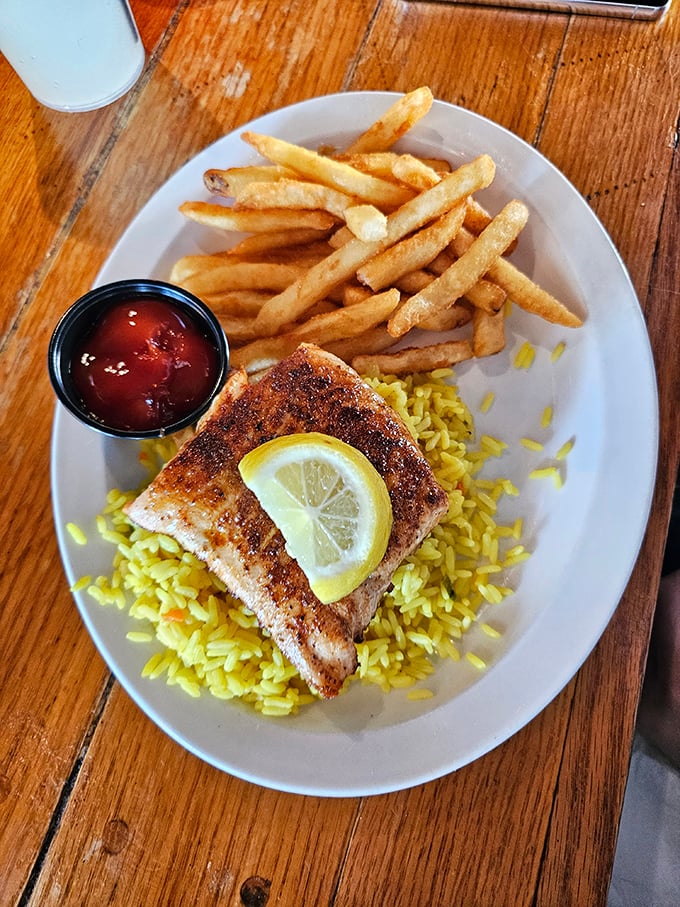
<point x="200" y="499"/>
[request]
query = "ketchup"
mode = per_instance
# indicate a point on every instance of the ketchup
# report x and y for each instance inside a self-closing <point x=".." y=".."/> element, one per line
<point x="144" y="365"/>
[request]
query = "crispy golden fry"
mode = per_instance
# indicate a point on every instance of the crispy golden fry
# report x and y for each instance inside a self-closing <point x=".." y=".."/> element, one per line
<point x="414" y="359"/>
<point x="366" y="222"/>
<point x="521" y="289"/>
<point x="262" y="243"/>
<point x="230" y="182"/>
<point x="529" y="296"/>
<point x="320" y="329"/>
<point x="477" y="218"/>
<point x="386" y="164"/>
<point x="241" y="329"/>
<point x="353" y="293"/>
<point x="464" y="273"/>
<point x="262" y="353"/>
<point x="322" y="307"/>
<point x="394" y="123"/>
<point x="448" y="319"/>
<point x="288" y="305"/>
<point x="414" y="281"/>
<point x="488" y="332"/>
<point x="374" y="340"/>
<point x="305" y="255"/>
<point x="377" y="163"/>
<point x="349" y="321"/>
<point x="414" y="172"/>
<point x="329" y="172"/>
<point x="223" y="218"/>
<point x="243" y="275"/>
<point x="244" y="303"/>
<point x="293" y="193"/>
<point x="485" y="294"/>
<point x="340" y="237"/>
<point x="238" y="328"/>
<point x="412" y="253"/>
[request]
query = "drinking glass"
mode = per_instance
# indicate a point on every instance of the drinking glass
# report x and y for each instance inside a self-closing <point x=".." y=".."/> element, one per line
<point x="72" y="54"/>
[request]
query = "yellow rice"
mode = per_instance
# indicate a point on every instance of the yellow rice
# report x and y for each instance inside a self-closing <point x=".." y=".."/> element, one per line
<point x="211" y="642"/>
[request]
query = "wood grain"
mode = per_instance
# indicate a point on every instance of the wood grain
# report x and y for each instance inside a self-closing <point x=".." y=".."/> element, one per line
<point x="96" y="804"/>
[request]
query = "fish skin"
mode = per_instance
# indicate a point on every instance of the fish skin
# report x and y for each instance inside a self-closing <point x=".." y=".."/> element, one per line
<point x="200" y="499"/>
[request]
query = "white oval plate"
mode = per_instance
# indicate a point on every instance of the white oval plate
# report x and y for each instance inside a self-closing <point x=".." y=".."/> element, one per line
<point x="585" y="538"/>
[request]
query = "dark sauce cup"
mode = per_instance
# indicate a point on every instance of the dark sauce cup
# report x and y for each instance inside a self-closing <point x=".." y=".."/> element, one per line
<point x="81" y="318"/>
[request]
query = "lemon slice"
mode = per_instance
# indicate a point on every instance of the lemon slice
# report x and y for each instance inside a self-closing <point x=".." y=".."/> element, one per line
<point x="330" y="504"/>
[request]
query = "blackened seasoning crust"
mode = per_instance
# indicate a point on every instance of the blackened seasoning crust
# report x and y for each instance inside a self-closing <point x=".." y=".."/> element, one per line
<point x="200" y="499"/>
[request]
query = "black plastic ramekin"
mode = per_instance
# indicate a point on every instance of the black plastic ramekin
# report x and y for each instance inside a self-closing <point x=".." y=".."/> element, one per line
<point x="78" y="321"/>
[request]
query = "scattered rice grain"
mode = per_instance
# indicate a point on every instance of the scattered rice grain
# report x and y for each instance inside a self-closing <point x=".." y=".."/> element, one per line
<point x="487" y="402"/>
<point x="557" y="352"/>
<point x="76" y="534"/>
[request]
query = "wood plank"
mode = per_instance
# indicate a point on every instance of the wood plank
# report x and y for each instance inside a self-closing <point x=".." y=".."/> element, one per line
<point x="113" y="838"/>
<point x="431" y="44"/>
<point x="204" y="107"/>
<point x="617" y="80"/>
<point x="574" y="861"/>
<point x="469" y="838"/>
<point x="51" y="160"/>
<point x="51" y="678"/>
<point x="142" y="806"/>
<point x="622" y="167"/>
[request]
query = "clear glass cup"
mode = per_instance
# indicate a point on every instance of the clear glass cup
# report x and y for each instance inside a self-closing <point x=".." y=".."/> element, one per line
<point x="72" y="54"/>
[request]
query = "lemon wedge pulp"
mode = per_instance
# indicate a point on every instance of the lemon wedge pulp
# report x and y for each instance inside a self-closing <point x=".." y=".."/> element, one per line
<point x="330" y="504"/>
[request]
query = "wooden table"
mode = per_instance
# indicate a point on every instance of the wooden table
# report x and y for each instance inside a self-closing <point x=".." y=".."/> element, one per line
<point x="98" y="806"/>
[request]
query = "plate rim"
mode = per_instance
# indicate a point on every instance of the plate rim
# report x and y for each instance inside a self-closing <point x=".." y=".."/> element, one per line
<point x="372" y="785"/>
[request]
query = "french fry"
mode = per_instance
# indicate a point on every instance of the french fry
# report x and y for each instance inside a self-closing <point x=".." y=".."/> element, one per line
<point x="484" y="294"/>
<point x="374" y="340"/>
<point x="349" y="321"/>
<point x="262" y="353"/>
<point x="366" y="222"/>
<point x="242" y="276"/>
<point x="529" y="296"/>
<point x="412" y="253"/>
<point x="522" y="290"/>
<point x="293" y="193"/>
<point x="243" y="303"/>
<point x="223" y="218"/>
<point x="386" y="164"/>
<point x="414" y="281"/>
<point x="261" y="243"/>
<point x="478" y="218"/>
<point x="414" y="172"/>
<point x="448" y="319"/>
<point x="354" y="293"/>
<point x="329" y="172"/>
<point x="414" y="359"/>
<point x="340" y="237"/>
<point x="488" y="333"/>
<point x="394" y="123"/>
<point x="238" y="328"/>
<point x="288" y="305"/>
<point x="464" y="272"/>
<point x="230" y="182"/>
<point x="320" y="329"/>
